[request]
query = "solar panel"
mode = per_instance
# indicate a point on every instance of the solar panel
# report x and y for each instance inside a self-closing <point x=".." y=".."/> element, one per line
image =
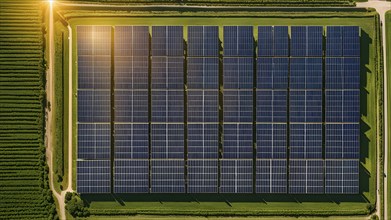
<point x="306" y="73"/>
<point x="272" y="41"/>
<point x="272" y="106"/>
<point x="167" y="105"/>
<point x="131" y="176"/>
<point x="236" y="176"/>
<point x="131" y="41"/>
<point x="167" y="41"/>
<point x="94" y="57"/>
<point x="334" y="41"/>
<point x="342" y="176"/>
<point x="272" y="73"/>
<point x="305" y="105"/>
<point x="306" y="41"/>
<point x="203" y="73"/>
<point x="238" y="41"/>
<point x="238" y="73"/>
<point x="93" y="142"/>
<point x="94" y="106"/>
<point x="167" y="176"/>
<point x="131" y="105"/>
<point x="342" y="141"/>
<point x="131" y="72"/>
<point x="202" y="106"/>
<point x="131" y="141"/>
<point x="202" y="141"/>
<point x="342" y="106"/>
<point x="351" y="41"/>
<point x="237" y="141"/>
<point x="343" y="73"/>
<point x="306" y="176"/>
<point x="271" y="176"/>
<point x="203" y="41"/>
<point x="93" y="176"/>
<point x="305" y="141"/>
<point x="167" y="141"/>
<point x="167" y="73"/>
<point x="271" y="141"/>
<point x="238" y="106"/>
<point x="202" y="176"/>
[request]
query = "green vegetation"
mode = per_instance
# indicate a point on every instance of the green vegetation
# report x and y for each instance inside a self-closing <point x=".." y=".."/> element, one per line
<point x="388" y="53"/>
<point x="247" y="205"/>
<point x="60" y="107"/>
<point x="287" y="3"/>
<point x="24" y="186"/>
<point x="75" y="205"/>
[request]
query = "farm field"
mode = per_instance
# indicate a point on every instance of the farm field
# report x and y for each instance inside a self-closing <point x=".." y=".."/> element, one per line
<point x="253" y="205"/>
<point x="388" y="53"/>
<point x="24" y="187"/>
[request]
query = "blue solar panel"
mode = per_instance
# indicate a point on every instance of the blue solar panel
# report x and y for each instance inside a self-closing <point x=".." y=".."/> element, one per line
<point x="306" y="176"/>
<point x="351" y="41"/>
<point x="131" y="72"/>
<point x="202" y="106"/>
<point x="343" y="106"/>
<point x="236" y="176"/>
<point x="202" y="176"/>
<point x="334" y="41"/>
<point x="203" y="41"/>
<point x="237" y="141"/>
<point x="93" y="176"/>
<point x="167" y="41"/>
<point x="167" y="73"/>
<point x="343" y="73"/>
<point x="167" y="141"/>
<point x="93" y="106"/>
<point x="238" y="106"/>
<point x="131" y="141"/>
<point x="131" y="41"/>
<point x="167" y="105"/>
<point x="306" y="73"/>
<point x="94" y="57"/>
<point x="305" y="106"/>
<point x="342" y="176"/>
<point x="131" y="176"/>
<point x="306" y="141"/>
<point x="238" y="41"/>
<point x="131" y="105"/>
<point x="203" y="73"/>
<point x="202" y="141"/>
<point x="306" y="41"/>
<point x="272" y="73"/>
<point x="271" y="176"/>
<point x="342" y="141"/>
<point x="271" y="141"/>
<point x="167" y="176"/>
<point x="272" y="106"/>
<point x="238" y="73"/>
<point x="93" y="141"/>
<point x="273" y="41"/>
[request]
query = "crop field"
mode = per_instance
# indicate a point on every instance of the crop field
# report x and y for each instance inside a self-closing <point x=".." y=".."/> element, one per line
<point x="24" y="187"/>
<point x="388" y="53"/>
<point x="253" y="204"/>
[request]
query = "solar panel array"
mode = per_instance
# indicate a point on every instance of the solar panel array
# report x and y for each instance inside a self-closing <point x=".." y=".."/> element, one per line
<point x="202" y="109"/>
<point x="238" y="70"/>
<point x="94" y="111"/>
<point x="288" y="126"/>
<point x="342" y="92"/>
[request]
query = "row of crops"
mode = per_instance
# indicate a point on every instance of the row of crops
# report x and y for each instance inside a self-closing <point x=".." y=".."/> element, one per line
<point x="24" y="188"/>
<point x="271" y="3"/>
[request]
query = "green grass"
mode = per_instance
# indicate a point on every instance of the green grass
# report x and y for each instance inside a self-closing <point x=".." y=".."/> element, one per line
<point x="388" y="56"/>
<point x="255" y="204"/>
